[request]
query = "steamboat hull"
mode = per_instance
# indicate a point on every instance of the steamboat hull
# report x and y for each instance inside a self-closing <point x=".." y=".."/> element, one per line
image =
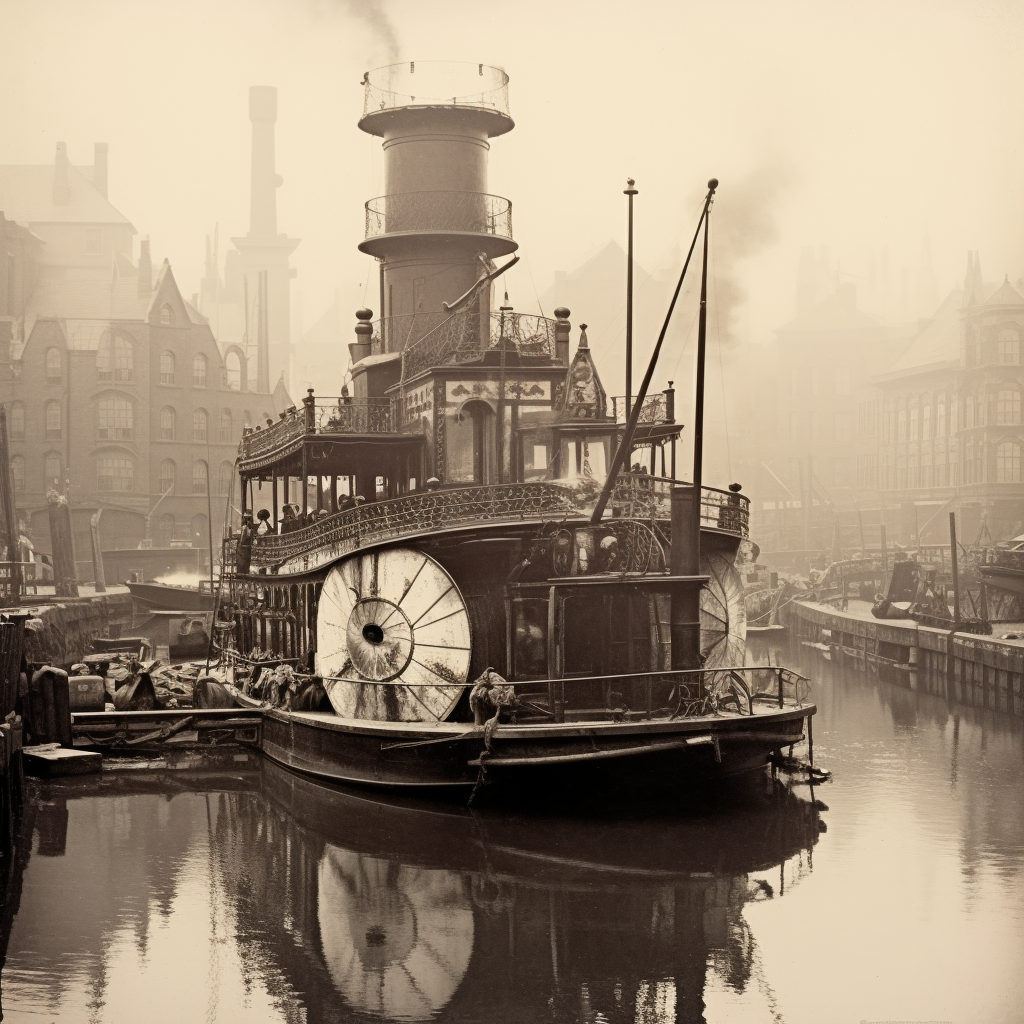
<point x="623" y="756"/>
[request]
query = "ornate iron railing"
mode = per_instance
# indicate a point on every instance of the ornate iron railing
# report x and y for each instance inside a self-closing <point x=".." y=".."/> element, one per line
<point x="434" y="83"/>
<point x="474" y="212"/>
<point x="636" y="496"/>
<point x="654" y="409"/>
<point x="639" y="496"/>
<point x="465" y="336"/>
<point x="417" y="514"/>
<point x="347" y="415"/>
<point x="264" y="440"/>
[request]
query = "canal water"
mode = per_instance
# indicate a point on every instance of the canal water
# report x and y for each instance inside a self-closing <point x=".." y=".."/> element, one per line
<point x="244" y="893"/>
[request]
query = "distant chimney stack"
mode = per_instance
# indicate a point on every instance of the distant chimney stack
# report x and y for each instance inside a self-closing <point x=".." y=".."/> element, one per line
<point x="145" y="270"/>
<point x="99" y="168"/>
<point x="61" y="186"/>
<point x="265" y="179"/>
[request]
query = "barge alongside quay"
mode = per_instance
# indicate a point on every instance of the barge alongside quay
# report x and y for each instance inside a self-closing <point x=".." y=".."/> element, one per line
<point x="453" y="580"/>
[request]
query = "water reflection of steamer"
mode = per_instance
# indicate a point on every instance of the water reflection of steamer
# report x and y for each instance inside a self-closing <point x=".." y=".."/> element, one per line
<point x="406" y="911"/>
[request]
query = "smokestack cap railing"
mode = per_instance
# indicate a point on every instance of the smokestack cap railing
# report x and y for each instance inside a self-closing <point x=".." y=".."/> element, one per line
<point x="435" y="83"/>
<point x="465" y="212"/>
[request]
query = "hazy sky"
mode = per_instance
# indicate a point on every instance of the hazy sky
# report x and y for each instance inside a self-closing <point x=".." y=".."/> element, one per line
<point x="852" y="125"/>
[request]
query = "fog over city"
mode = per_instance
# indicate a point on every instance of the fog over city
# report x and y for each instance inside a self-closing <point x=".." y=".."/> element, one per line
<point x="855" y="127"/>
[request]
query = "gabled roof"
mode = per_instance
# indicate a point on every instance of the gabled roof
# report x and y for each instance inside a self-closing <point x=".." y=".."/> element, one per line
<point x="167" y="293"/>
<point x="282" y="400"/>
<point x="1005" y="295"/>
<point x="26" y="195"/>
<point x="936" y="344"/>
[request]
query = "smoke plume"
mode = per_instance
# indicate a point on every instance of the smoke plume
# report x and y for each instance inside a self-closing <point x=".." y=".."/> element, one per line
<point x="372" y="12"/>
<point x="744" y="223"/>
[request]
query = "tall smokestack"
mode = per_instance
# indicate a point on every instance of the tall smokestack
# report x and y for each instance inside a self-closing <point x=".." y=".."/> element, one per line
<point x="61" y="187"/>
<point x="265" y="180"/>
<point x="99" y="168"/>
<point x="145" y="270"/>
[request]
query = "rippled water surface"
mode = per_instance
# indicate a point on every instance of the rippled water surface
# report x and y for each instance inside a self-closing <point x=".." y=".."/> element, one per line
<point x="247" y="893"/>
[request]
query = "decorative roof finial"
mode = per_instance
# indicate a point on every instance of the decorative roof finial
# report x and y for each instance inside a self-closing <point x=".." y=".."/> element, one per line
<point x="583" y="337"/>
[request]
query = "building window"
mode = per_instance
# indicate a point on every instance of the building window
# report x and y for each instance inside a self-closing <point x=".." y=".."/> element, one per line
<point x="233" y="368"/>
<point x="969" y="411"/>
<point x="1008" y="346"/>
<point x="199" y="425"/>
<point x="168" y="472"/>
<point x="17" y="421"/>
<point x="18" y="472"/>
<point x="200" y="477"/>
<point x="1008" y="470"/>
<point x="901" y="425"/>
<point x="115" y="473"/>
<point x="200" y="531"/>
<point x="867" y="472"/>
<point x="93" y="241"/>
<point x="166" y="534"/>
<point x="199" y="371"/>
<point x="867" y="419"/>
<point x="227" y="427"/>
<point x="115" y="359"/>
<point x="53" y="420"/>
<point x="166" y="367"/>
<point x="913" y="424"/>
<point x="926" y="469"/>
<point x="912" y="479"/>
<point x="166" y="315"/>
<point x="1008" y="407"/>
<point x="51" y="471"/>
<point x="941" y="479"/>
<point x="53" y="366"/>
<point x="168" y="421"/>
<point x="116" y="419"/>
<point x="940" y="417"/>
<point x="224" y="478"/>
<point x="926" y="422"/>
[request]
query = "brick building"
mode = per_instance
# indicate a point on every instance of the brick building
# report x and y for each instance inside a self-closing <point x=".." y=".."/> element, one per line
<point x="116" y="389"/>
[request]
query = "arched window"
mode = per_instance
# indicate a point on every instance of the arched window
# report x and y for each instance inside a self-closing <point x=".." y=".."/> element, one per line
<point x="166" y="367"/>
<point x="115" y="473"/>
<point x="166" y="315"/>
<point x="901" y="425"/>
<point x="51" y="471"/>
<point x="969" y="411"/>
<point x="115" y="360"/>
<point x="199" y="370"/>
<point x="1008" y="345"/>
<point x="940" y="417"/>
<point x="1008" y="406"/>
<point x="225" y="477"/>
<point x="926" y="422"/>
<point x="200" y="423"/>
<point x="53" y="366"/>
<point x="913" y="424"/>
<point x="166" y="530"/>
<point x="168" y="422"/>
<point x="200" y="477"/>
<point x="17" y="421"/>
<point x="168" y="472"/>
<point x="200" y="532"/>
<point x="116" y="418"/>
<point x="18" y="472"/>
<point x="53" y="419"/>
<point x="233" y="367"/>
<point x="227" y="427"/>
<point x="1008" y="470"/>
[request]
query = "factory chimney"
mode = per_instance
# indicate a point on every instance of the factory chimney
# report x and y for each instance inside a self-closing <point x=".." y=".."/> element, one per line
<point x="61" y="186"/>
<point x="265" y="253"/>
<point x="145" y="270"/>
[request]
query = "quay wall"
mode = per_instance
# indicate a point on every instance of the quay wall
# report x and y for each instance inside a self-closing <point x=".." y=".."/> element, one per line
<point x="979" y="671"/>
<point x="59" y="634"/>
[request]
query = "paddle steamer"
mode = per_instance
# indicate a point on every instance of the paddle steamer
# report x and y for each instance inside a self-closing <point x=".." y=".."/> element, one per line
<point x="485" y="562"/>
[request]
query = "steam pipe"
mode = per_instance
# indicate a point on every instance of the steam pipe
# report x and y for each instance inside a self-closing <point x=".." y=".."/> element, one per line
<point x="634" y="415"/>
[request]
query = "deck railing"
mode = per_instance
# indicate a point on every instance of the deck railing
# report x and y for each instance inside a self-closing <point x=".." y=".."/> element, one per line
<point x="654" y="410"/>
<point x="465" y="336"/>
<point x="475" y="213"/>
<point x="635" y="497"/>
<point x="630" y="696"/>
<point x="347" y="415"/>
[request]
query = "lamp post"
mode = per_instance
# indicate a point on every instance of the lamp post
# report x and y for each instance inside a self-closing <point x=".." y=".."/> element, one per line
<point x="630" y="192"/>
